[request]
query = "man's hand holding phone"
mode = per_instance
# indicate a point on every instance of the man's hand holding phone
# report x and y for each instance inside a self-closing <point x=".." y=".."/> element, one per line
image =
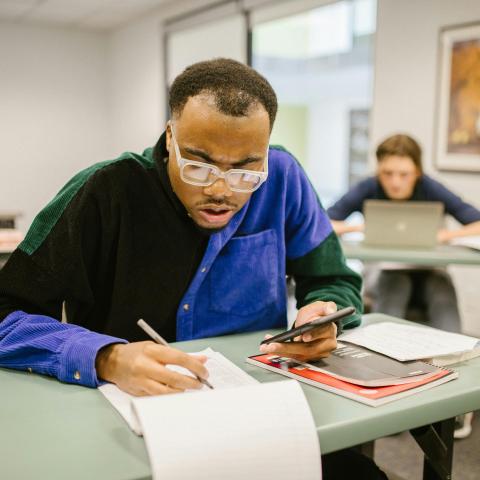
<point x="310" y="342"/>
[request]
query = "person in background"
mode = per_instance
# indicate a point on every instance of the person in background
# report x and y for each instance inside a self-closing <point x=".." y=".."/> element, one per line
<point x="195" y="235"/>
<point x="400" y="177"/>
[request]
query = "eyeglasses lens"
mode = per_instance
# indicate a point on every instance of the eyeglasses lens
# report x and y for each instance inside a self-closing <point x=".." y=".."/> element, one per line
<point x="206" y="175"/>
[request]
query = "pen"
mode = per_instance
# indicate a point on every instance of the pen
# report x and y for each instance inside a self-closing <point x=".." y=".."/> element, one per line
<point x="294" y="332"/>
<point x="157" y="338"/>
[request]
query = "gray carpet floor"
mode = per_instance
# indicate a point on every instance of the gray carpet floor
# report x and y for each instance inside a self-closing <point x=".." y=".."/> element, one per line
<point x="401" y="458"/>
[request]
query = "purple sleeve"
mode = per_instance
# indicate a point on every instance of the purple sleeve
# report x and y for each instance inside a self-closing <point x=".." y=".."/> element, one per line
<point x="307" y="224"/>
<point x="41" y="344"/>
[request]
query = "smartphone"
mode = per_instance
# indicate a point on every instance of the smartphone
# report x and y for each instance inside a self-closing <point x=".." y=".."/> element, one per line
<point x="295" y="332"/>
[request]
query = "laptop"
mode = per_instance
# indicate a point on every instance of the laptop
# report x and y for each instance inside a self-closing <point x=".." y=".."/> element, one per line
<point x="391" y="223"/>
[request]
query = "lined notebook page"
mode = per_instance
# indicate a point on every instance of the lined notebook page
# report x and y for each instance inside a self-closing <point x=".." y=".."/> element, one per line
<point x="264" y="430"/>
<point x="223" y="374"/>
<point x="408" y="342"/>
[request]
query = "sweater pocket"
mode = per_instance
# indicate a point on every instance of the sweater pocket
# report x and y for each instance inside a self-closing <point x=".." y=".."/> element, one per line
<point x="243" y="278"/>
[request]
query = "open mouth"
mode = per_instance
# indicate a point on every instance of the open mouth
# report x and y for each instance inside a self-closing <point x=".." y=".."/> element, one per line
<point x="216" y="216"/>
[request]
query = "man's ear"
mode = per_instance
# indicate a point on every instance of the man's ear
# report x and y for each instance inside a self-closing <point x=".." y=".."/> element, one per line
<point x="168" y="136"/>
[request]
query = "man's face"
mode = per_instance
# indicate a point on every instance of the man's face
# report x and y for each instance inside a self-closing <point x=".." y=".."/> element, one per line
<point x="205" y="135"/>
<point x="397" y="176"/>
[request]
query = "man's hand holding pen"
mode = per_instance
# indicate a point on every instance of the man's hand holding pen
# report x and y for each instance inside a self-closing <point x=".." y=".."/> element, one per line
<point x="140" y="368"/>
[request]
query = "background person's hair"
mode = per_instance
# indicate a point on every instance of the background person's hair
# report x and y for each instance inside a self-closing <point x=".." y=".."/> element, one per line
<point x="235" y="88"/>
<point x="403" y="146"/>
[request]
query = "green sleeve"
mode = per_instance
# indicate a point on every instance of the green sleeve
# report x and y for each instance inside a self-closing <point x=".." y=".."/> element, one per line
<point x="322" y="274"/>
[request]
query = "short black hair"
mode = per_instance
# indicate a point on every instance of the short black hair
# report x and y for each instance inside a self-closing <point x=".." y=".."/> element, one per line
<point x="234" y="86"/>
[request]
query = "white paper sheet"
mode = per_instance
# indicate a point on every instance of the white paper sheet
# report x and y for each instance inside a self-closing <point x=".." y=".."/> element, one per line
<point x="472" y="241"/>
<point x="255" y="431"/>
<point x="408" y="342"/>
<point x="223" y="374"/>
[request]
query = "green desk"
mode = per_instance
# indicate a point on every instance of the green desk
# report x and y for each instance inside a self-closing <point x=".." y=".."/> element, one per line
<point x="57" y="431"/>
<point x="440" y="256"/>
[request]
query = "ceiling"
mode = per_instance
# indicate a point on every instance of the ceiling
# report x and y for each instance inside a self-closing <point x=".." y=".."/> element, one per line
<point x="98" y="15"/>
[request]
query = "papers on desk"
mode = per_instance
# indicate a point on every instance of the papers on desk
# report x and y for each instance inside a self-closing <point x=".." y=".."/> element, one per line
<point x="472" y="241"/>
<point x="373" y="396"/>
<point x="364" y="367"/>
<point x="409" y="342"/>
<point x="241" y="429"/>
<point x="223" y="374"/>
<point x="257" y="431"/>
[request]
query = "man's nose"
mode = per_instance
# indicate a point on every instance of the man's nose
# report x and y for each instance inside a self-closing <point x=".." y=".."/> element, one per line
<point x="218" y="189"/>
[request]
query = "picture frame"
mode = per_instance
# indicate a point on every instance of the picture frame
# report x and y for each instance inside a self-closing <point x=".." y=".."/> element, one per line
<point x="458" y="99"/>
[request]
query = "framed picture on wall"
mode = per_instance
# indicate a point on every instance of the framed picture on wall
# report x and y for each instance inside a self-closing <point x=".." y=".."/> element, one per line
<point x="458" y="102"/>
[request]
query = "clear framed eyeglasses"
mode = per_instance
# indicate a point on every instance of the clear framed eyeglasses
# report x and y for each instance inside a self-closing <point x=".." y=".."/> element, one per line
<point x="202" y="174"/>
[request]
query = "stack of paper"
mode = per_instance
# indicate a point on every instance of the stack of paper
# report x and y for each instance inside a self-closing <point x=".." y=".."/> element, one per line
<point x="468" y="241"/>
<point x="410" y="342"/>
<point x="368" y="394"/>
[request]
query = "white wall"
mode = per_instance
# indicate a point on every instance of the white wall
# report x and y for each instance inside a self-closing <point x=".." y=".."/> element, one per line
<point x="136" y="85"/>
<point x="53" y="112"/>
<point x="406" y="75"/>
<point x="137" y="73"/>
<point x="70" y="98"/>
<point x="404" y="99"/>
<point x="220" y="37"/>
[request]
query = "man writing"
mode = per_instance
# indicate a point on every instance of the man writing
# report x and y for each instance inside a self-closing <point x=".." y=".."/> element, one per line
<point x="195" y="236"/>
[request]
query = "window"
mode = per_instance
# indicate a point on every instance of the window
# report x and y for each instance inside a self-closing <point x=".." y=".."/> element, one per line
<point x="320" y="63"/>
